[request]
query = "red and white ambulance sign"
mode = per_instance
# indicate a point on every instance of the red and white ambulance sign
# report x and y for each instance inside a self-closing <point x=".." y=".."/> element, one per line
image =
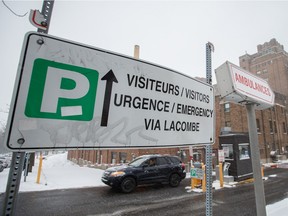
<point x="240" y="86"/>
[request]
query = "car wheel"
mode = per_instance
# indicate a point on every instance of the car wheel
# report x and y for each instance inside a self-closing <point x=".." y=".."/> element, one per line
<point x="174" y="180"/>
<point x="128" y="184"/>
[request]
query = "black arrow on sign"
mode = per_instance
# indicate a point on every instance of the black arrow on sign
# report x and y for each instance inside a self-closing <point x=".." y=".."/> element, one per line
<point x="110" y="77"/>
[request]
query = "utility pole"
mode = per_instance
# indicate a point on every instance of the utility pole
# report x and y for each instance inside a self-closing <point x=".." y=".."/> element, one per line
<point x="208" y="156"/>
<point x="17" y="163"/>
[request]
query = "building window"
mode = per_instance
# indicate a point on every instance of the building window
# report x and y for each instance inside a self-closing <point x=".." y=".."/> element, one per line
<point x="123" y="157"/>
<point x="244" y="151"/>
<point x="275" y="127"/>
<point x="227" y="107"/>
<point x="113" y="157"/>
<point x="228" y="151"/>
<point x="284" y="128"/>
<point x="271" y="126"/>
<point x="227" y="123"/>
<point x="258" y="125"/>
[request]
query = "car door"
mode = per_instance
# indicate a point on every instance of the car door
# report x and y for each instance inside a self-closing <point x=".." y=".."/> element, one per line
<point x="163" y="169"/>
<point x="149" y="172"/>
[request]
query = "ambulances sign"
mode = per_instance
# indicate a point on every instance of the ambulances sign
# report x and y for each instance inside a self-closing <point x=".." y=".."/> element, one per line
<point x="240" y="86"/>
<point x="69" y="95"/>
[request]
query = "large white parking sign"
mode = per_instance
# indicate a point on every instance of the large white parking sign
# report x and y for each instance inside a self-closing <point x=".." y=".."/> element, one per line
<point x="70" y="95"/>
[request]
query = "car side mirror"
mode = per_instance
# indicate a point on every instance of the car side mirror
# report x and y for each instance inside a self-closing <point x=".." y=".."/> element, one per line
<point x="144" y="165"/>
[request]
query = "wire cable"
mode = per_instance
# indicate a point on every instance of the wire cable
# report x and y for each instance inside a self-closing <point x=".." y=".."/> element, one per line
<point x="13" y="11"/>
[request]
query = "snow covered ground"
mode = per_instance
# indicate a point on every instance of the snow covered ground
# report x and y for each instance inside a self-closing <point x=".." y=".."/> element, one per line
<point x="59" y="173"/>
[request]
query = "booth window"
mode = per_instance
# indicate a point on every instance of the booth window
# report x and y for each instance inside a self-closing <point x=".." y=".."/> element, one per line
<point x="228" y="151"/>
<point x="244" y="151"/>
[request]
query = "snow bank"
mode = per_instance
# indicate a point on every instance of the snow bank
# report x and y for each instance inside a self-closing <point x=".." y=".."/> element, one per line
<point x="278" y="209"/>
<point x="57" y="173"/>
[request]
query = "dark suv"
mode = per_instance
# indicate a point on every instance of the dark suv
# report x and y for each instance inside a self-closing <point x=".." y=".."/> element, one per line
<point x="146" y="169"/>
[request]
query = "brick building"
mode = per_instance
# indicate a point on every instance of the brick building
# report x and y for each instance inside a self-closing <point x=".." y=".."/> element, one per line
<point x="270" y="63"/>
<point x="117" y="156"/>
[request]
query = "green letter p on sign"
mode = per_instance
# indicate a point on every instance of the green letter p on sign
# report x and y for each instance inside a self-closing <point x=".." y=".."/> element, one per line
<point x="61" y="91"/>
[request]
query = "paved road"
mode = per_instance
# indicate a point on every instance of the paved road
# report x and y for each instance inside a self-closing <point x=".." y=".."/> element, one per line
<point x="156" y="200"/>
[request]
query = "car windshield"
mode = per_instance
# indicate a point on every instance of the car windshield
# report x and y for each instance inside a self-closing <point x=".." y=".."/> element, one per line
<point x="137" y="162"/>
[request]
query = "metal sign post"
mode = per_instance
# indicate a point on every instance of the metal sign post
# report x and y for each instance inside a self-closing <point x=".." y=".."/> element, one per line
<point x="18" y="158"/>
<point x="13" y="182"/>
<point x="27" y="158"/>
<point x="208" y="156"/>
<point x="255" y="156"/>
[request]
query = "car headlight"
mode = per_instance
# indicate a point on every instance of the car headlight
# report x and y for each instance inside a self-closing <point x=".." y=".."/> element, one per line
<point x="117" y="173"/>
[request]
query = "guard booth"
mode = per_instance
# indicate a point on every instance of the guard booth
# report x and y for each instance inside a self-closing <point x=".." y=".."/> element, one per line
<point x="237" y="152"/>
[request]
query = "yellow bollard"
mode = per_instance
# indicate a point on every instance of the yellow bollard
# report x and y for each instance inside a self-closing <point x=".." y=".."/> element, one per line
<point x="221" y="177"/>
<point x="39" y="169"/>
<point x="262" y="171"/>
<point x="204" y="179"/>
<point x="193" y="184"/>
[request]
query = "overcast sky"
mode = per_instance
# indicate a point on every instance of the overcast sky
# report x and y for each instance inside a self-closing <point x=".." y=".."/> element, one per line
<point x="170" y="33"/>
